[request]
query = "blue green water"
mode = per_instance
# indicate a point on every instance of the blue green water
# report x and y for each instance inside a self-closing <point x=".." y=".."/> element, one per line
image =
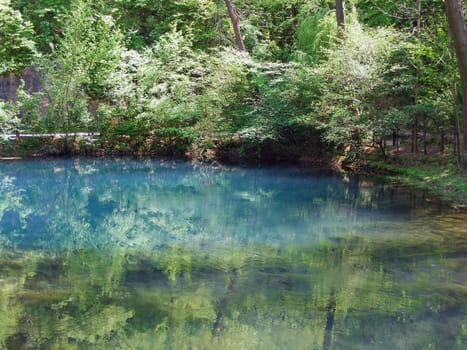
<point x="132" y="254"/>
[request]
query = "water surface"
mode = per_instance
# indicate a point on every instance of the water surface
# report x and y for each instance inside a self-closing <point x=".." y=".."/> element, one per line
<point x="135" y="254"/>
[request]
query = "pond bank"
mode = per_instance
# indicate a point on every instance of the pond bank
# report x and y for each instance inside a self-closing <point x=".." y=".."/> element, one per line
<point x="440" y="177"/>
<point x="448" y="183"/>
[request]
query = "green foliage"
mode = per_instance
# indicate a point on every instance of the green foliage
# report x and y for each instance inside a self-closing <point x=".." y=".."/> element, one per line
<point x="48" y="19"/>
<point x="275" y="24"/>
<point x="358" y="69"/>
<point x="315" y="33"/>
<point x="161" y="77"/>
<point x="17" y="49"/>
<point x="431" y="54"/>
<point x="9" y="121"/>
<point x="143" y="22"/>
<point x="90" y="47"/>
<point x="77" y="71"/>
<point x="28" y="108"/>
<point x="170" y="91"/>
<point x="397" y="13"/>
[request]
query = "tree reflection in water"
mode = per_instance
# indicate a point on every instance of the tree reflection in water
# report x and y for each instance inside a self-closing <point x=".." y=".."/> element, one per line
<point x="161" y="254"/>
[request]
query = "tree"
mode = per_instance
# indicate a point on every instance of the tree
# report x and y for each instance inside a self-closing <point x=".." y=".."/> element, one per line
<point x="234" y="19"/>
<point x="355" y="79"/>
<point x="456" y="20"/>
<point x="77" y="71"/>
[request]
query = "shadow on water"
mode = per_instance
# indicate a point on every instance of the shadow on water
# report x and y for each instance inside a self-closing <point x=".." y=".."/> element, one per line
<point x="169" y="255"/>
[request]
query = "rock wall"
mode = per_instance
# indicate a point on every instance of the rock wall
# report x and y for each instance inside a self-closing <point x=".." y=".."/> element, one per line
<point x="9" y="83"/>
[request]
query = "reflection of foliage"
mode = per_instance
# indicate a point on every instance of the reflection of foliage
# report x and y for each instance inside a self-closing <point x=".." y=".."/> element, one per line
<point x="95" y="325"/>
<point x="277" y="297"/>
<point x="15" y="269"/>
<point x="164" y="255"/>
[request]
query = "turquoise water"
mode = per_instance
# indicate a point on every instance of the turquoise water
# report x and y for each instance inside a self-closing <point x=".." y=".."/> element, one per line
<point x="131" y="254"/>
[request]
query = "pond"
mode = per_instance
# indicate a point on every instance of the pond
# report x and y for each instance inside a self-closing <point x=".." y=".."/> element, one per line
<point x="158" y="254"/>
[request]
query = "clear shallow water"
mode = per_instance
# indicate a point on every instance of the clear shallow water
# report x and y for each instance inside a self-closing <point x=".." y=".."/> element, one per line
<point x="169" y="255"/>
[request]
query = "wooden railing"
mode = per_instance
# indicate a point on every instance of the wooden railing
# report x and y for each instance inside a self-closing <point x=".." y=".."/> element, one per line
<point x="52" y="135"/>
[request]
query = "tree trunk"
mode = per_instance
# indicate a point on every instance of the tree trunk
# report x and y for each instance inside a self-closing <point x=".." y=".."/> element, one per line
<point x="457" y="140"/>
<point x="340" y="15"/>
<point x="397" y="140"/>
<point x="456" y="130"/>
<point x="458" y="29"/>
<point x="234" y="19"/>
<point x="425" y="151"/>
<point x="442" y="142"/>
<point x="417" y="83"/>
<point x="419" y="16"/>
<point x="415" y="135"/>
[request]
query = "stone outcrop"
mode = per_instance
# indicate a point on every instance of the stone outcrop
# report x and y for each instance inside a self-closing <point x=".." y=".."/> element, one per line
<point x="10" y="82"/>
